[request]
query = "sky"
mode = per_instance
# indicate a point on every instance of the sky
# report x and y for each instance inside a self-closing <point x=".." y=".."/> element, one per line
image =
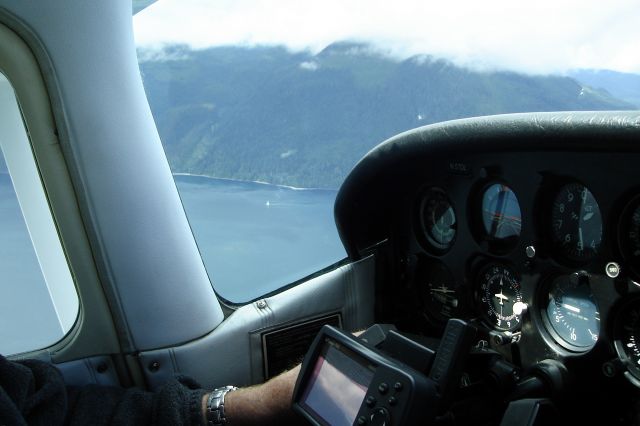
<point x="539" y="36"/>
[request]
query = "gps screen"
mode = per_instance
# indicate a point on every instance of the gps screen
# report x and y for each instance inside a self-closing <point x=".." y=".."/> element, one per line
<point x="337" y="385"/>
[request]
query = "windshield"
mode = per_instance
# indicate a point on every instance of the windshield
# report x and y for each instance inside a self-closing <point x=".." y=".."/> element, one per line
<point x="263" y="108"/>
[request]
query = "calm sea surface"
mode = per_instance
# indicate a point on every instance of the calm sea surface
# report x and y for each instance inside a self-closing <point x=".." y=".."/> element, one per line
<point x="254" y="238"/>
<point x="24" y="299"/>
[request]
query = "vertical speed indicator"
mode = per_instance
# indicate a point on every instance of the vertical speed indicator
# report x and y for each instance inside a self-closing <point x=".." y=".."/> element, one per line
<point x="629" y="236"/>
<point x="498" y="292"/>
<point x="627" y="338"/>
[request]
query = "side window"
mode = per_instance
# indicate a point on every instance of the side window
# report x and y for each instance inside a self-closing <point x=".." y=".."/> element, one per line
<point x="38" y="300"/>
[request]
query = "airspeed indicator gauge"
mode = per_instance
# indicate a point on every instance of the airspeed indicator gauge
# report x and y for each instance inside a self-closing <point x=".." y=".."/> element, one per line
<point x="438" y="220"/>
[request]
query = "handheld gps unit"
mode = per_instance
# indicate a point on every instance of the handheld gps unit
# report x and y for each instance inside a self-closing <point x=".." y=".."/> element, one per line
<point x="343" y="382"/>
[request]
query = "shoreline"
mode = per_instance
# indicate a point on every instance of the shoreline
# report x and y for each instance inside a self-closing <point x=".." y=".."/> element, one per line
<point x="294" y="188"/>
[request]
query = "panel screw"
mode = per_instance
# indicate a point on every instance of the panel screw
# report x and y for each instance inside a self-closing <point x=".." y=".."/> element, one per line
<point x="611" y="368"/>
<point x="261" y="304"/>
<point x="102" y="367"/>
<point x="154" y="366"/>
<point x="612" y="269"/>
<point x="530" y="251"/>
<point x="515" y="374"/>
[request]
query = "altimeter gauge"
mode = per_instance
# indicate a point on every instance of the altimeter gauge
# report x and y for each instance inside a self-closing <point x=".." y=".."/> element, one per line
<point x="576" y="223"/>
<point x="499" y="292"/>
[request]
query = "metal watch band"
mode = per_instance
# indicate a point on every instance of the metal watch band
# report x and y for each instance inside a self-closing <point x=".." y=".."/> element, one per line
<point x="215" y="406"/>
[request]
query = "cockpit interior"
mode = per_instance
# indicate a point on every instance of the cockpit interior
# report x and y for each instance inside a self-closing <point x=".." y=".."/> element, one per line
<point x="493" y="263"/>
<point x="473" y="222"/>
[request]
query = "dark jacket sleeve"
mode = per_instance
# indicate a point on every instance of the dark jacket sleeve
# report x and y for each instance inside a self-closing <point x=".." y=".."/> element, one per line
<point x="34" y="393"/>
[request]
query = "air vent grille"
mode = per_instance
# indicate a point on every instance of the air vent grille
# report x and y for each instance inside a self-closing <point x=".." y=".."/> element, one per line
<point x="285" y="347"/>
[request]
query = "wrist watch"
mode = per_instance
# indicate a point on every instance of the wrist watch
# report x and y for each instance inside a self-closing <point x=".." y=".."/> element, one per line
<point x="215" y="406"/>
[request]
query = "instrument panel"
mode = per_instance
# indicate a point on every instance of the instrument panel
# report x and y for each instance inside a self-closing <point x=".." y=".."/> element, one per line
<point x="527" y="226"/>
<point x="536" y="252"/>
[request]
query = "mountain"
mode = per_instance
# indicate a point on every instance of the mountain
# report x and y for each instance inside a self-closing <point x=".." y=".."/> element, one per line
<point x="624" y="86"/>
<point x="304" y="120"/>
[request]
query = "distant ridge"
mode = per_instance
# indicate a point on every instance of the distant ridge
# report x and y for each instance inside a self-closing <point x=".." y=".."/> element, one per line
<point x="624" y="86"/>
<point x="298" y="119"/>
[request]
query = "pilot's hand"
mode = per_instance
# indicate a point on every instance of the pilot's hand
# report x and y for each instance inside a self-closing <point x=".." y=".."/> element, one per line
<point x="268" y="403"/>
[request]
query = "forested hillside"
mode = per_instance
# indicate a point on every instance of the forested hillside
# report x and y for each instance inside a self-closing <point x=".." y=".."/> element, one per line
<point x="304" y="120"/>
<point x="624" y="86"/>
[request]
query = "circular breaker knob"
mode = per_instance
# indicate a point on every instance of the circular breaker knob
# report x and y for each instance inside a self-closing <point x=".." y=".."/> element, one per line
<point x="380" y="417"/>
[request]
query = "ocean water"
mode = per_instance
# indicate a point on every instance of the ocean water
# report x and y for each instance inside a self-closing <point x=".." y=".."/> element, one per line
<point x="254" y="237"/>
<point x="27" y="317"/>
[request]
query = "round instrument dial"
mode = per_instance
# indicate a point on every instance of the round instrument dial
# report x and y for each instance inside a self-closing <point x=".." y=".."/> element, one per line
<point x="438" y="220"/>
<point x="440" y="292"/>
<point x="627" y="336"/>
<point x="501" y="215"/>
<point x="571" y="312"/>
<point x="629" y="235"/>
<point x="576" y="223"/>
<point x="498" y="292"/>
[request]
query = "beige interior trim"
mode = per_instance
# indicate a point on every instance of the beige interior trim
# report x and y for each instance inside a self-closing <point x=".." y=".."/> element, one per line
<point x="93" y="332"/>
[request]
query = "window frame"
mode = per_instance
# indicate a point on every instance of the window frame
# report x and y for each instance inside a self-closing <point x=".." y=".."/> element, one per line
<point x="26" y="65"/>
<point x="43" y="235"/>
